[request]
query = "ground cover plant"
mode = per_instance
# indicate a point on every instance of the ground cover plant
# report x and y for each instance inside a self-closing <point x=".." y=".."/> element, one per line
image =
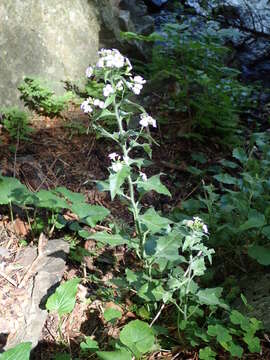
<point x="205" y="93"/>
<point x="175" y="306"/>
<point x="40" y="98"/>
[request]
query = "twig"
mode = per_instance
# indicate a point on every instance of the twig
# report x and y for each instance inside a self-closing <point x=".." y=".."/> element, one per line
<point x="8" y="278"/>
<point x="158" y="315"/>
<point x="192" y="191"/>
<point x="175" y="356"/>
<point x="46" y="177"/>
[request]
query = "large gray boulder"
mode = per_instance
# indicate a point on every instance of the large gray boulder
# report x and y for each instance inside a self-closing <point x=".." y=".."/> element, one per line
<point x="49" y="39"/>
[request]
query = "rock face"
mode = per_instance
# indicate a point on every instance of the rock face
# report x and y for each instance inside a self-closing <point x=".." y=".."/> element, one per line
<point x="55" y="40"/>
<point x="125" y="15"/>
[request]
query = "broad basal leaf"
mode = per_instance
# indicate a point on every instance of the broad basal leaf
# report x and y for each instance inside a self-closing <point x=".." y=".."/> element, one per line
<point x="89" y="345"/>
<point x="69" y="195"/>
<point x="153" y="183"/>
<point x="90" y="214"/>
<point x="64" y="298"/>
<point x="112" y="314"/>
<point x="260" y="253"/>
<point x="109" y="239"/>
<point x="47" y="199"/>
<point x="19" y="352"/>
<point x="138" y="337"/>
<point x="207" y="354"/>
<point x="12" y="191"/>
<point x="220" y="332"/>
<point x="114" y="355"/>
<point x="255" y="220"/>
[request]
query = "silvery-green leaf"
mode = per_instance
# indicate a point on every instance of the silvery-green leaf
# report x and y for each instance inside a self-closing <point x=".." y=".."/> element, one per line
<point x="153" y="221"/>
<point x="153" y="183"/>
<point x="117" y="179"/>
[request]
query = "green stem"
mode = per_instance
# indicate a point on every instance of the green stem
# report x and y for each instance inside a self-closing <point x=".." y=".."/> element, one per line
<point x="134" y="205"/>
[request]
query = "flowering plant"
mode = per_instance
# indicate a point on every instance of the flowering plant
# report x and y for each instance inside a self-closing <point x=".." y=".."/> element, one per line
<point x="172" y="254"/>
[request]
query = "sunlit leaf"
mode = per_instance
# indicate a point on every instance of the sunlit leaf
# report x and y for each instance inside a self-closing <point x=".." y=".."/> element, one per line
<point x="19" y="352"/>
<point x="63" y="300"/>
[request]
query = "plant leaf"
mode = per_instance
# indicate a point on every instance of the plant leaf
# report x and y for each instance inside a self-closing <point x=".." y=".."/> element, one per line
<point x="111" y="314"/>
<point x="90" y="214"/>
<point x="207" y="354"/>
<point x="114" y="355"/>
<point x="89" y="345"/>
<point x="138" y="337"/>
<point x="64" y="298"/>
<point x="226" y="179"/>
<point x="19" y="352"/>
<point x="70" y="195"/>
<point x="117" y="180"/>
<point x="109" y="239"/>
<point x="260" y="253"/>
<point x="153" y="221"/>
<point x="211" y="297"/>
<point x="47" y="199"/>
<point x="255" y="220"/>
<point x="240" y="155"/>
<point x="154" y="183"/>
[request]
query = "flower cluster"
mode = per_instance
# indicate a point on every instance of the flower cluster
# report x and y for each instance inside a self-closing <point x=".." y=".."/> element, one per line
<point x="197" y="224"/>
<point x="112" y="59"/>
<point x="116" y="164"/>
<point x="108" y="90"/>
<point x="136" y="84"/>
<point x="146" y="120"/>
<point x="86" y="105"/>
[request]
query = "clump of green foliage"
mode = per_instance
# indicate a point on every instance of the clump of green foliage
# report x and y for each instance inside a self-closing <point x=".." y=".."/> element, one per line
<point x="16" y="123"/>
<point x="203" y="92"/>
<point x="237" y="207"/>
<point x="40" y="98"/>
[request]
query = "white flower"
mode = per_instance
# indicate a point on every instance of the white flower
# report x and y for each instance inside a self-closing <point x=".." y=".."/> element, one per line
<point x="85" y="106"/>
<point x="147" y="120"/>
<point x="113" y="156"/>
<point x="107" y="90"/>
<point x="120" y="85"/>
<point x="205" y="229"/>
<point x="117" y="166"/>
<point x="138" y="79"/>
<point x="143" y="176"/>
<point x="100" y="63"/>
<point x="89" y="71"/>
<point x="143" y="121"/>
<point x="119" y="60"/>
<point x="99" y="103"/>
<point x="137" y="88"/>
